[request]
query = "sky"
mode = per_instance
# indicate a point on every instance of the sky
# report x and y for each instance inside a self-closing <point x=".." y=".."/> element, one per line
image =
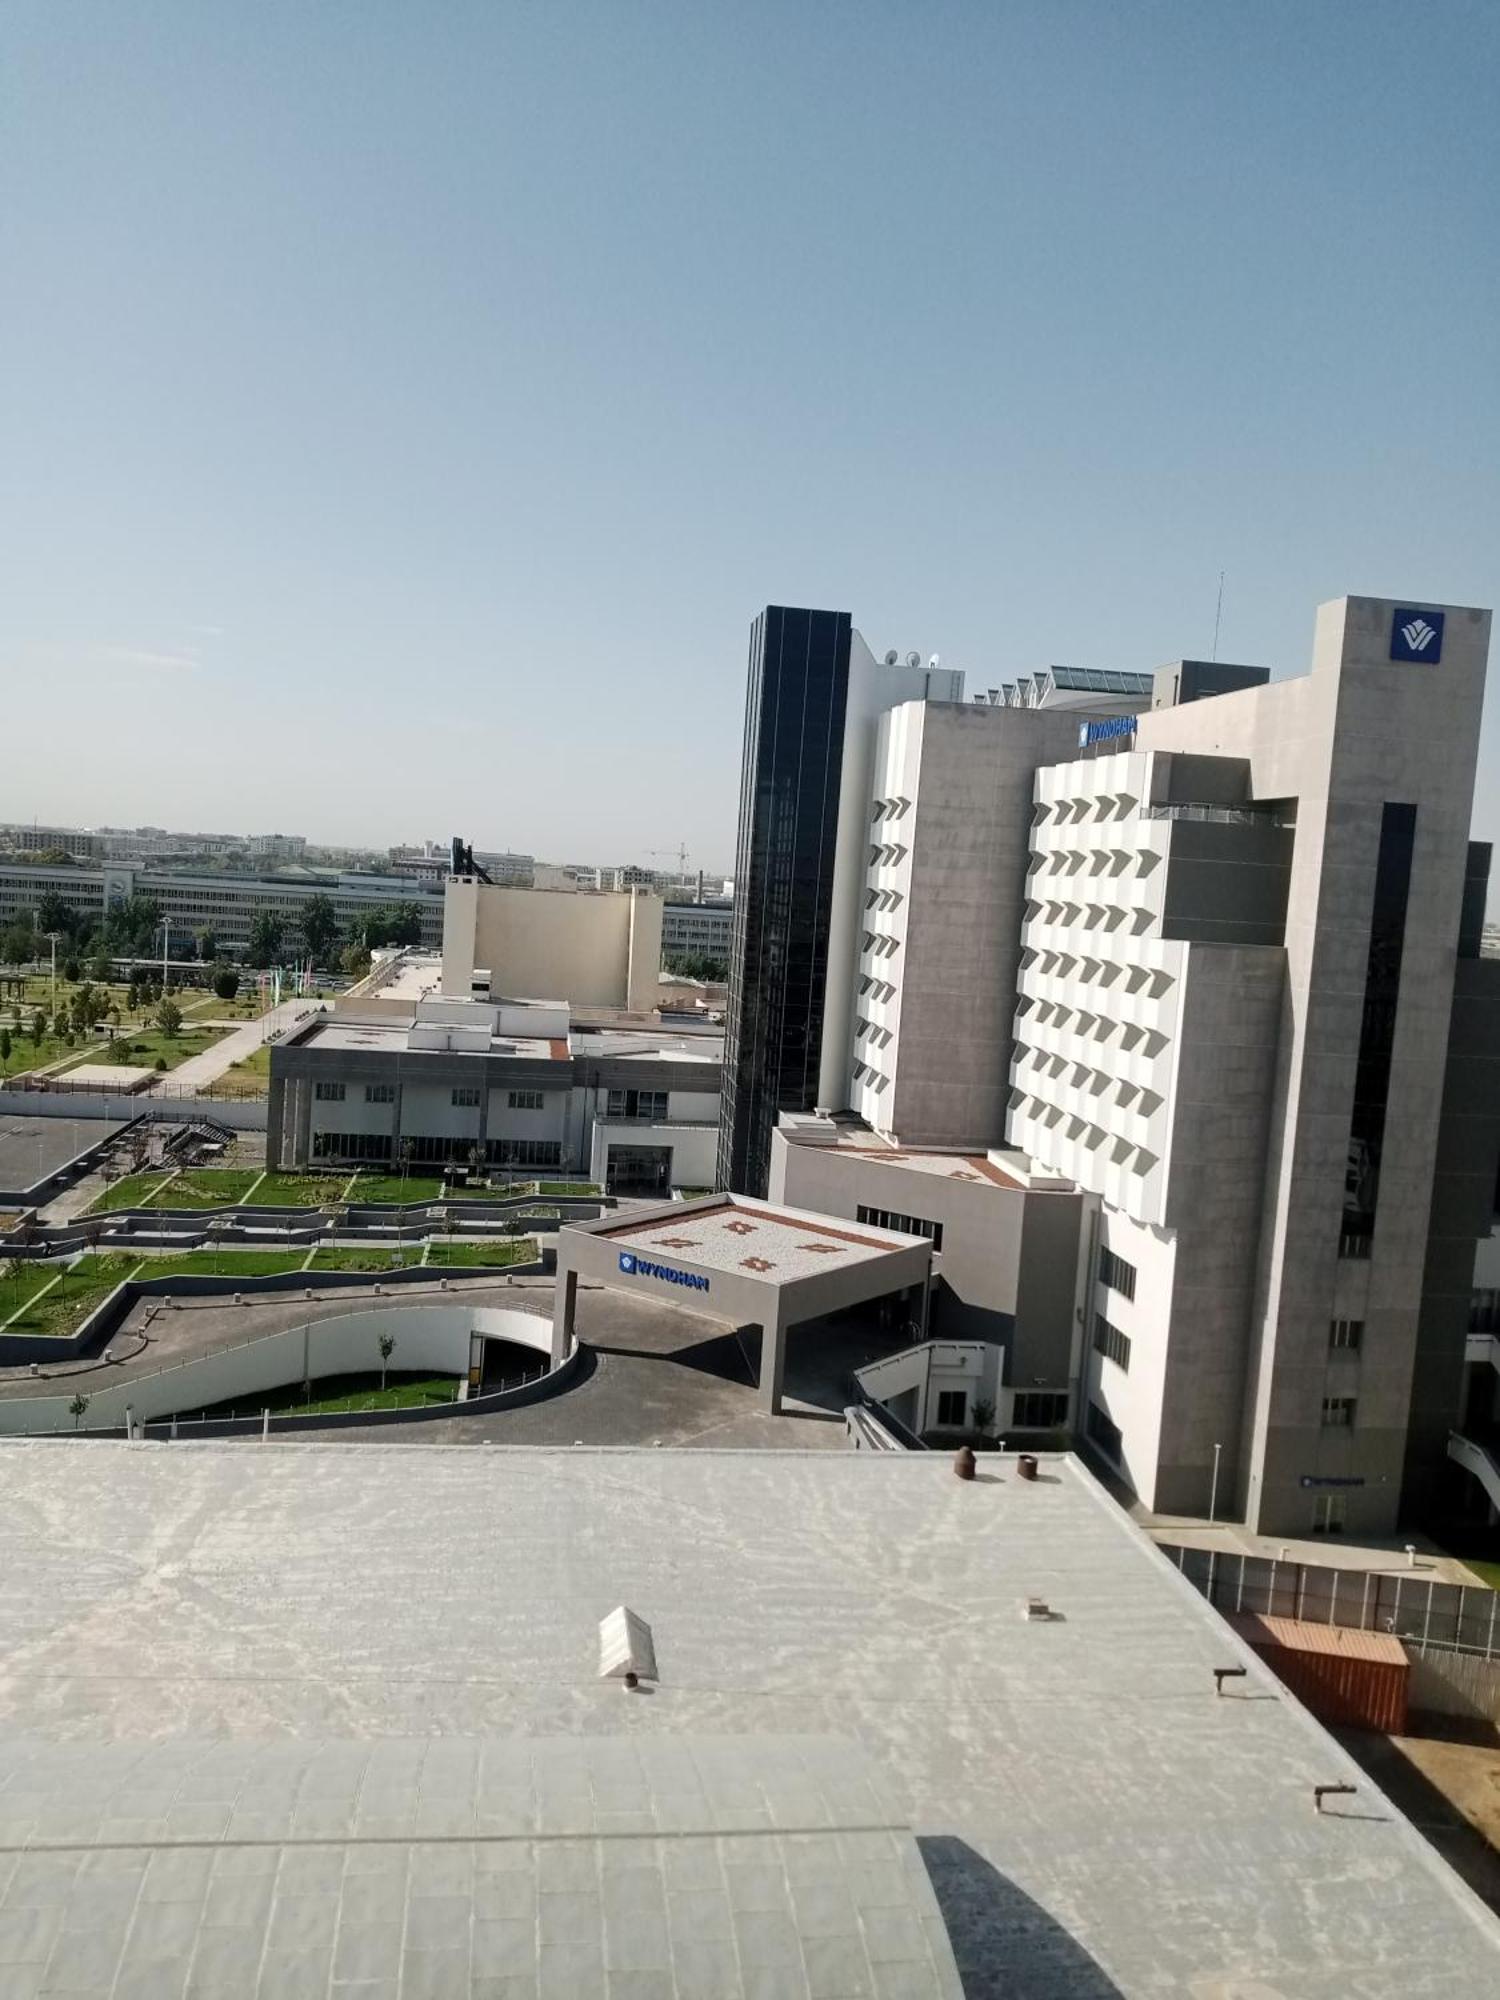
<point x="405" y="409"/>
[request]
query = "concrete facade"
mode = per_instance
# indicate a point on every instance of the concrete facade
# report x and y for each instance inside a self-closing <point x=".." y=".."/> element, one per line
<point x="1257" y="1104"/>
<point x="1006" y="1254"/>
<point x="945" y="884"/>
<point x="465" y="1083"/>
<point x="590" y="950"/>
<point x="740" y="1263"/>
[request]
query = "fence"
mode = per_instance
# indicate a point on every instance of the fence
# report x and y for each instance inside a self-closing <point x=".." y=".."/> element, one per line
<point x="1463" y="1618"/>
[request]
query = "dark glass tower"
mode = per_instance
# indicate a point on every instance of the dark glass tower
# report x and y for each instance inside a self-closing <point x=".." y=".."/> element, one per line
<point x="783" y="879"/>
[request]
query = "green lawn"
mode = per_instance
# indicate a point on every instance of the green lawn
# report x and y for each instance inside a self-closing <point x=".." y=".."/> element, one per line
<point x="334" y="1393"/>
<point x="206" y="1187"/>
<point x="222" y="1263"/>
<point x="300" y="1190"/>
<point x="132" y="1191"/>
<point x="60" y="1311"/>
<point x="450" y="1256"/>
<point x="142" y="1048"/>
<point x="568" y="1187"/>
<point x="334" y="1259"/>
<point x="396" y="1188"/>
<point x="1489" y="1572"/>
<point x="250" y="1077"/>
<point x="22" y="1282"/>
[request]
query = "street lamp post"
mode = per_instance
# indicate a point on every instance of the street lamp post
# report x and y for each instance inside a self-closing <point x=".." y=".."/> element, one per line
<point x="1213" y="1491"/>
<point x="53" y="936"/>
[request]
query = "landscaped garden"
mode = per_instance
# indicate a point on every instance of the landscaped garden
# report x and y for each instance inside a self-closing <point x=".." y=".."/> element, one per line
<point x="334" y="1394"/>
<point x="187" y="1187"/>
<point x="394" y="1188"/>
<point x="59" y="1298"/>
<point x="330" y="1257"/>
<point x="456" y="1256"/>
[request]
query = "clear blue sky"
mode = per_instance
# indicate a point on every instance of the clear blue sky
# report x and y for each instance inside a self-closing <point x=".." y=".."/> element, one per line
<point x="405" y="408"/>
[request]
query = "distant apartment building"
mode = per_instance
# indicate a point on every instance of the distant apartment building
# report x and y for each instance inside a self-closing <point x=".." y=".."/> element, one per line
<point x="226" y="904"/>
<point x="276" y="846"/>
<point x="34" y="838"/>
<point x="696" y="930"/>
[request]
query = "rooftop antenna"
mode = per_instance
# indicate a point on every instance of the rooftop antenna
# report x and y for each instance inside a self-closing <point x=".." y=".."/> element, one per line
<point x="1218" y="614"/>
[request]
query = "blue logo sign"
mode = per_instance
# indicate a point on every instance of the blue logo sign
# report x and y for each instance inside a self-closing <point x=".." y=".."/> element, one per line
<point x="1417" y="635"/>
<point x="1114" y="729"/>
<point x="642" y="1267"/>
<point x="1311" y="1479"/>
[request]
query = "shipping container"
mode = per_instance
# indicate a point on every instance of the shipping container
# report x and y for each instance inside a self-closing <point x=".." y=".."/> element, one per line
<point x="1342" y="1675"/>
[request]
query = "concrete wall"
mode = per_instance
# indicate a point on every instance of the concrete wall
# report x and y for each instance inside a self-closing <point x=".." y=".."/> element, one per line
<point x="427" y="1337"/>
<point x="950" y="823"/>
<point x="1007" y="1271"/>
<point x="1355" y="733"/>
<point x="600" y="950"/>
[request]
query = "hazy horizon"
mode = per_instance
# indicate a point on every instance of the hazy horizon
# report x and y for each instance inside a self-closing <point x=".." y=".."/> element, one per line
<point x="407" y="411"/>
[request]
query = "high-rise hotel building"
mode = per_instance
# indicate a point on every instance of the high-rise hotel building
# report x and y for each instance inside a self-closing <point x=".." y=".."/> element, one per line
<point x="1207" y="949"/>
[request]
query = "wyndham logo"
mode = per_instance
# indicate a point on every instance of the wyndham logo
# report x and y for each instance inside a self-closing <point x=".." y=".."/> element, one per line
<point x="642" y="1267"/>
<point x="1417" y="635"/>
<point x="1115" y="728"/>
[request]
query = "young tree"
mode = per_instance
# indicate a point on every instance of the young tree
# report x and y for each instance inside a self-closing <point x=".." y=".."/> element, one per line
<point x="71" y="969"/>
<point x="208" y="945"/>
<point x="387" y="1349"/>
<point x="38" y="1028"/>
<point x="4" y="1045"/>
<point x="265" y="938"/>
<point x="169" y="1018"/>
<point x="355" y="959"/>
<point x="101" y="967"/>
<point x="77" y="1409"/>
<point x="226" y="981"/>
<point x="320" y="927"/>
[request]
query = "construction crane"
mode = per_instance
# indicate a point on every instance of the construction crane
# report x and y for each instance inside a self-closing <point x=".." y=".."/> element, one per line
<point x="677" y="854"/>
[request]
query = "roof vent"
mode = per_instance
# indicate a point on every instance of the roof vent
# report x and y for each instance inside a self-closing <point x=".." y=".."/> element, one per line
<point x="1036" y="1611"/>
<point x="626" y="1646"/>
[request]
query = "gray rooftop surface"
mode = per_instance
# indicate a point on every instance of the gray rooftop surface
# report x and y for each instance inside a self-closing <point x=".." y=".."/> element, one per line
<point x="32" y="1148"/>
<point x="1093" y="1819"/>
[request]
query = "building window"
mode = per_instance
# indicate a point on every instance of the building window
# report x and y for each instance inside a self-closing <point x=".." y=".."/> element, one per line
<point x="380" y="1093"/>
<point x="952" y="1409"/>
<point x="1338" y="1413"/>
<point x="1103" y="1433"/>
<point x="524" y="1100"/>
<point x="904" y="1225"/>
<point x="422" y="1150"/>
<point x="1484" y="1312"/>
<point x="1347" y="1334"/>
<point x="1117" y="1274"/>
<point x="646" y="1105"/>
<point x="524" y="1152"/>
<point x="1110" y="1342"/>
<point x="351" y="1146"/>
<point x="1039" y="1409"/>
<point x="1354" y="1242"/>
<point x="329" y="1093"/>
<point x="465" y="1094"/>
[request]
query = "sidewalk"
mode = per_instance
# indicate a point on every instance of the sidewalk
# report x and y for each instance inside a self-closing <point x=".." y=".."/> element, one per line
<point x="190" y="1076"/>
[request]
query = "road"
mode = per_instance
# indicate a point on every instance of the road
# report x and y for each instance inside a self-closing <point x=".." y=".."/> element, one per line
<point x="192" y="1075"/>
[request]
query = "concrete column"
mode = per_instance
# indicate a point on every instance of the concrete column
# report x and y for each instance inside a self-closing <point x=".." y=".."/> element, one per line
<point x="564" y="1305"/>
<point x="772" y="1365"/>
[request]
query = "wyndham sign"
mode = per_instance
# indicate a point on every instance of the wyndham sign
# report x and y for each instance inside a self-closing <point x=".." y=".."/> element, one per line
<point x="642" y="1267"/>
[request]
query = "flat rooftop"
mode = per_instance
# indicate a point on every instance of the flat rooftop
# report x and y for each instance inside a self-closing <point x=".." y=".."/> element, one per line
<point x="295" y="1665"/>
<point x="394" y="1038"/>
<point x="778" y="1246"/>
<point x="33" y="1148"/>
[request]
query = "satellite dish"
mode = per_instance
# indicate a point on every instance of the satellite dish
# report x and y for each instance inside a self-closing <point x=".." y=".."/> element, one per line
<point x="892" y="657"/>
<point x="914" y="659"/>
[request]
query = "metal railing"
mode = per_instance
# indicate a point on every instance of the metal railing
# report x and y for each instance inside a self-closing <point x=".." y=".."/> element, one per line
<point x="1452" y="1617"/>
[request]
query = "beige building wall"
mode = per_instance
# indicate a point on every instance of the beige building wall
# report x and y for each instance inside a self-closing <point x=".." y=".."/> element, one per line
<point x="546" y="944"/>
